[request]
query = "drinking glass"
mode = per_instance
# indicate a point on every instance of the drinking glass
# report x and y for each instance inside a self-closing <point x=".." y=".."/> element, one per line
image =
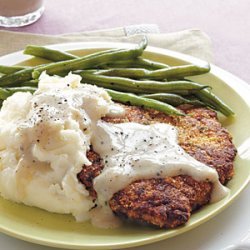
<point x="17" y="13"/>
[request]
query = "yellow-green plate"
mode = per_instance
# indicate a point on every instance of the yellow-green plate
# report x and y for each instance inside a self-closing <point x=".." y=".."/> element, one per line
<point x="38" y="226"/>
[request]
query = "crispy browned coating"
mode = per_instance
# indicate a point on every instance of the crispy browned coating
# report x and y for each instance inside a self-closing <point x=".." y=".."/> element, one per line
<point x="154" y="201"/>
<point x="202" y="136"/>
<point x="168" y="202"/>
<point x="197" y="192"/>
<point x="88" y="173"/>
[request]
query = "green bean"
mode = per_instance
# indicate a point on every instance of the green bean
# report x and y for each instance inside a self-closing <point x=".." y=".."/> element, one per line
<point x="178" y="71"/>
<point x="50" y="54"/>
<point x="161" y="74"/>
<point x="135" y="73"/>
<point x="214" y="102"/>
<point x="173" y="99"/>
<point x="132" y="99"/>
<point x="21" y="89"/>
<point x="57" y="55"/>
<point x="31" y="83"/>
<point x="6" y="92"/>
<point x="135" y="63"/>
<point x="88" y="63"/>
<point x="17" y="77"/>
<point x="10" y="69"/>
<point x="135" y="86"/>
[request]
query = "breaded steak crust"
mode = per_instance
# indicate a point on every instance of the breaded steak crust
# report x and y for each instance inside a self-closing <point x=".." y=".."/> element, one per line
<point x="154" y="201"/>
<point x="169" y="202"/>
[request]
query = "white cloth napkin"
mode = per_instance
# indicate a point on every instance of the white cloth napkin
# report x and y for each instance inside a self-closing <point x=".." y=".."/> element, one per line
<point x="192" y="42"/>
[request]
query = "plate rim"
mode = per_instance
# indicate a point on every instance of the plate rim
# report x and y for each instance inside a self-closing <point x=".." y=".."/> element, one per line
<point x="227" y="77"/>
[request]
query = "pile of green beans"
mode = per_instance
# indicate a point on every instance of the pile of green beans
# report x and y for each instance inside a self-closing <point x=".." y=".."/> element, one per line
<point x="124" y="73"/>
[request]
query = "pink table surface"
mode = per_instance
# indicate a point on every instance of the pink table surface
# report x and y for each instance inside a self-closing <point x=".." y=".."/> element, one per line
<point x="227" y="22"/>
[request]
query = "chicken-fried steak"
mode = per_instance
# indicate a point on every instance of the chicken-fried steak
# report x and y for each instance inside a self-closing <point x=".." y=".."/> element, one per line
<point x="169" y="202"/>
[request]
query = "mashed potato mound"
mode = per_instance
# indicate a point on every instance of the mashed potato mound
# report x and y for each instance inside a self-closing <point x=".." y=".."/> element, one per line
<point x="43" y="142"/>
